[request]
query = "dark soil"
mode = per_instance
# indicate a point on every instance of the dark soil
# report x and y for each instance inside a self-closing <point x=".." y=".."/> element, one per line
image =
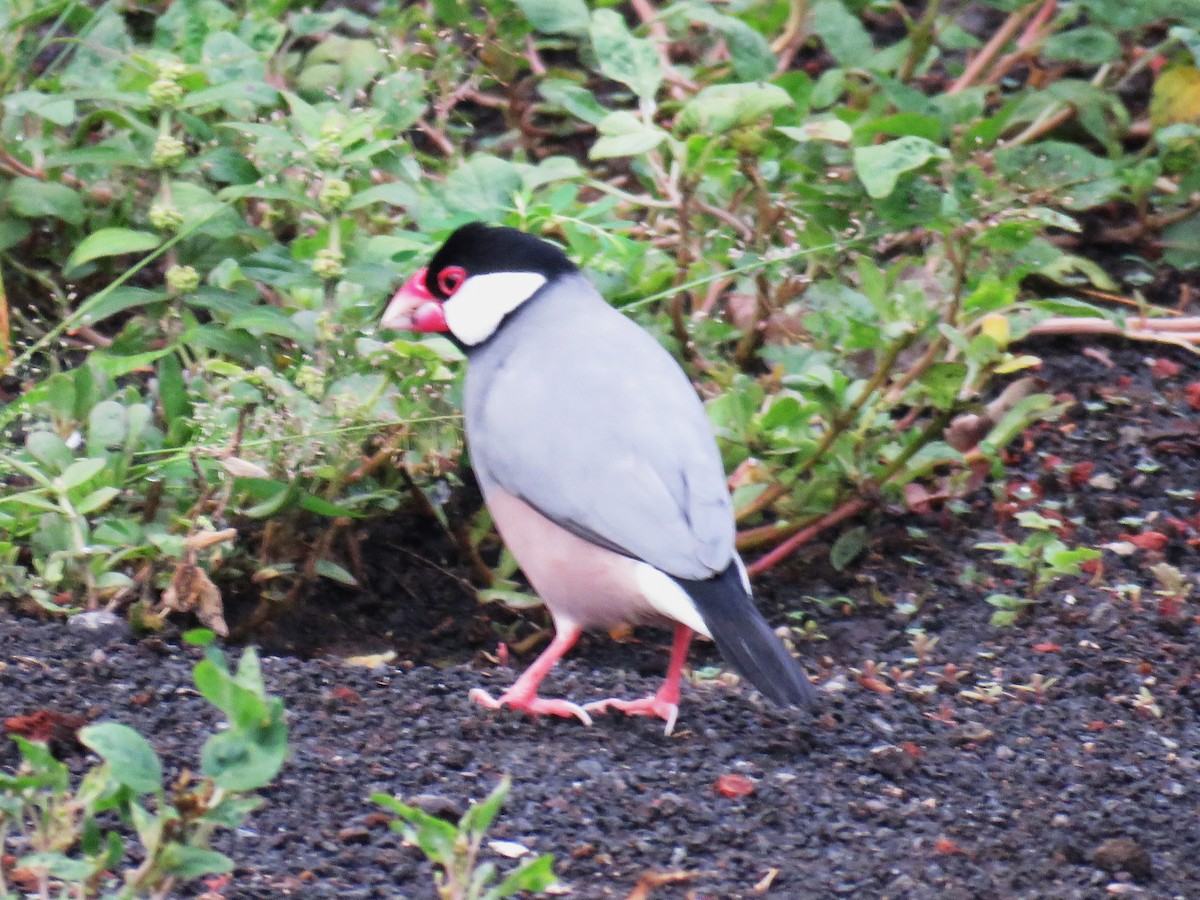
<point x="1058" y="758"/>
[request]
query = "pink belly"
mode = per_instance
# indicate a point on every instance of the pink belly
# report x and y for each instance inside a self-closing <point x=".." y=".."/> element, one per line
<point x="581" y="583"/>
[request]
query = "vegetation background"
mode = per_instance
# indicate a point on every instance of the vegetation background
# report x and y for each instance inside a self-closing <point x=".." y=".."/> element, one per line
<point x="843" y="216"/>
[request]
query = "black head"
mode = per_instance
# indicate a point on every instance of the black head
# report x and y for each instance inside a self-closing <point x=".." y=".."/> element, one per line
<point x="481" y="249"/>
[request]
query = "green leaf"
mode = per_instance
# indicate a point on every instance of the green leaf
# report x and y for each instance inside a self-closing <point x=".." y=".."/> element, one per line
<point x="328" y="569"/>
<point x="624" y="134"/>
<point x="484" y="186"/>
<point x="630" y="60"/>
<point x="847" y="547"/>
<point x="536" y="875"/>
<point x="574" y="98"/>
<point x="557" y="16"/>
<point x="1090" y="45"/>
<point x="720" y="107"/>
<point x="82" y="470"/>
<point x="35" y="199"/>
<point x="97" y="499"/>
<point x="112" y="242"/>
<point x="268" y="320"/>
<point x="108" y="426"/>
<point x="942" y="381"/>
<point x="186" y="862"/>
<point x="749" y="51"/>
<point x="100" y="306"/>
<point x="57" y="865"/>
<point x="130" y="757"/>
<point x="843" y="34"/>
<point x="879" y="166"/>
<point x="480" y="816"/>
<point x="49" y="449"/>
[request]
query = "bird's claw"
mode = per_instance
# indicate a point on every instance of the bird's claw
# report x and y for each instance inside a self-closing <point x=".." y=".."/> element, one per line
<point x="647" y="706"/>
<point x="534" y="705"/>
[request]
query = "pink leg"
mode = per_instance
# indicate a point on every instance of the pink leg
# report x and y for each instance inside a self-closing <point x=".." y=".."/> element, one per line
<point x="523" y="694"/>
<point x="664" y="704"/>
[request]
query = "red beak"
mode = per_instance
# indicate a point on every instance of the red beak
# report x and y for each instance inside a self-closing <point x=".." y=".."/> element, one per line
<point x="414" y="308"/>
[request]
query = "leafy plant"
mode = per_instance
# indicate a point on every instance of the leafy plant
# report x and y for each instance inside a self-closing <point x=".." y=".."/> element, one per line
<point x="71" y="847"/>
<point x="1042" y="556"/>
<point x="204" y="212"/>
<point x="455" y="849"/>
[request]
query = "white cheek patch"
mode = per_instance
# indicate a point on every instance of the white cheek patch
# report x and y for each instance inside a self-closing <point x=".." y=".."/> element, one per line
<point x="668" y="598"/>
<point x="477" y="308"/>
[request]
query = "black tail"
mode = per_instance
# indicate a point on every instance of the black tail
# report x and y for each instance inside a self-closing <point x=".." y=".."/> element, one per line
<point x="746" y="640"/>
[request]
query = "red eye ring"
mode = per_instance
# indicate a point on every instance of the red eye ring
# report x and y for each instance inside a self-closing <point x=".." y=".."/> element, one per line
<point x="450" y="279"/>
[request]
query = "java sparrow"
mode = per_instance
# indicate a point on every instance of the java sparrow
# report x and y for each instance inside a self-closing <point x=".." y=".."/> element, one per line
<point x="597" y="462"/>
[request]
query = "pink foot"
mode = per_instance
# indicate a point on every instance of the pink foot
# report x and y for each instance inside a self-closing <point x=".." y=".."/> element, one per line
<point x="647" y="706"/>
<point x="532" y="704"/>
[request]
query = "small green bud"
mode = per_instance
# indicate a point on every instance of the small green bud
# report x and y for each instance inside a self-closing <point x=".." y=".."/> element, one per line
<point x="182" y="279"/>
<point x="171" y="70"/>
<point x="328" y="264"/>
<point x="311" y="380"/>
<point x="165" y="92"/>
<point x="331" y="128"/>
<point x="334" y="194"/>
<point x="165" y="217"/>
<point x="169" y="151"/>
<point x="327" y="153"/>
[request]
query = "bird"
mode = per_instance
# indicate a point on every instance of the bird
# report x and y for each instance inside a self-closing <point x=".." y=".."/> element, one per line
<point x="597" y="462"/>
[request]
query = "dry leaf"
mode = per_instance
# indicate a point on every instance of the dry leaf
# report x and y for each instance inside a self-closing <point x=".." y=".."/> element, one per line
<point x="648" y="881"/>
<point x="241" y="468"/>
<point x="508" y="849"/>
<point x="371" y="660"/>
<point x="191" y="590"/>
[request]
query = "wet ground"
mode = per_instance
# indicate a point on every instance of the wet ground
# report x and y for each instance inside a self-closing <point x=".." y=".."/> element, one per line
<point x="1056" y="758"/>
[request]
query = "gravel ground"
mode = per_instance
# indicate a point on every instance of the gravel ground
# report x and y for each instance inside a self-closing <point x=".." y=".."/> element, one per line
<point x="1058" y="758"/>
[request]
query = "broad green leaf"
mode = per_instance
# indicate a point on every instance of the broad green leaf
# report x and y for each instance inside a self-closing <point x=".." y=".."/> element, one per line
<point x="1089" y="45"/>
<point x="33" y="198"/>
<point x="749" y="51"/>
<point x="187" y="862"/>
<point x="483" y="186"/>
<point x="847" y="547"/>
<point x="843" y="34"/>
<point x="624" y="134"/>
<point x="83" y="470"/>
<point x="96" y="500"/>
<point x="536" y="875"/>
<point x="130" y="757"/>
<point x="57" y="865"/>
<point x="100" y="306"/>
<point x="247" y="759"/>
<point x="49" y="449"/>
<point x="557" y="16"/>
<point x="880" y="165"/>
<point x="112" y="242"/>
<point x="720" y="107"/>
<point x="56" y="109"/>
<point x="574" y="98"/>
<point x="633" y="61"/>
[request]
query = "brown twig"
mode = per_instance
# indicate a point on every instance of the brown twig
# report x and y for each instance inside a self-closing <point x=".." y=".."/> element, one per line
<point x="979" y="63"/>
<point x="846" y="510"/>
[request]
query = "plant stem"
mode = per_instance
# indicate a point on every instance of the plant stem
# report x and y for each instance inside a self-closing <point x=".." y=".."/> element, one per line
<point x="846" y="510"/>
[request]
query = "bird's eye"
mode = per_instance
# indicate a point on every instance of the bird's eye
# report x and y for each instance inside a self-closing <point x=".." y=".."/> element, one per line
<point x="450" y="279"/>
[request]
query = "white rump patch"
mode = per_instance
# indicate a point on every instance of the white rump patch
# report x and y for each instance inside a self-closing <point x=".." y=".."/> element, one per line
<point x="476" y="309"/>
<point x="668" y="598"/>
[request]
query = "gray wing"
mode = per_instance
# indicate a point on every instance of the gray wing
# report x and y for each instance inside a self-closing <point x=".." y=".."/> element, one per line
<point x="594" y="424"/>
